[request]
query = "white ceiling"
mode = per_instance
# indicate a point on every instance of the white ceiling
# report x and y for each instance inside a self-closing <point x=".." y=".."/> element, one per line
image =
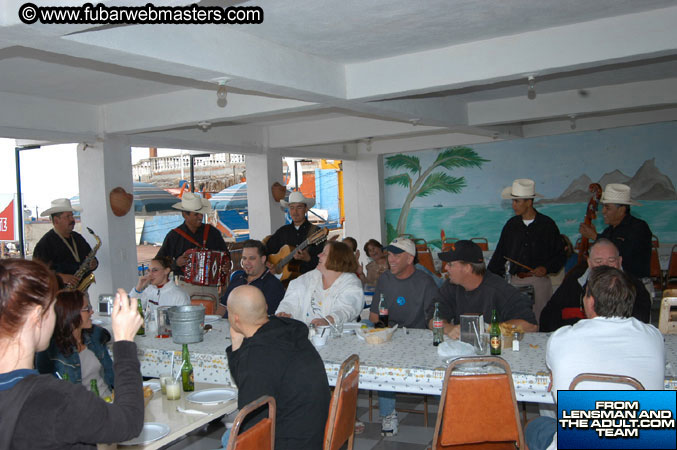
<point x="317" y="73"/>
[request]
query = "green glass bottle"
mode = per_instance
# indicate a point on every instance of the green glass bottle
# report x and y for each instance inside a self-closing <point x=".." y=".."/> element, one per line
<point x="65" y="377"/>
<point x="142" y="329"/>
<point x="187" y="371"/>
<point x="94" y="388"/>
<point x="495" y="334"/>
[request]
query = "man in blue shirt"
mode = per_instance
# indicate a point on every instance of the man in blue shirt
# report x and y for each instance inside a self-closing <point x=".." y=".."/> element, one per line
<point x="253" y="263"/>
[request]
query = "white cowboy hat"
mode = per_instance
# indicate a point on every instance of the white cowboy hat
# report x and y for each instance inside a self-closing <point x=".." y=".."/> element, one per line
<point x="618" y="194"/>
<point x="297" y="197"/>
<point x="521" y="188"/>
<point x="60" y="205"/>
<point x="191" y="202"/>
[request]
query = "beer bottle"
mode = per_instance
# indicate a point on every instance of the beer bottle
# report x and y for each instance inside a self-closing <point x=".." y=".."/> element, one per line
<point x="438" y="327"/>
<point x="142" y="329"/>
<point x="383" y="311"/>
<point x="495" y="334"/>
<point x="94" y="388"/>
<point x="187" y="371"/>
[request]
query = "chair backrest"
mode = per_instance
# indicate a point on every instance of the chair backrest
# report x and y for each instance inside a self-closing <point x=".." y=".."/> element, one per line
<point x="667" y="320"/>
<point x="478" y="409"/>
<point x="340" y="425"/>
<point x="425" y="256"/>
<point x="206" y="300"/>
<point x="605" y="378"/>
<point x="261" y="436"/>
<point x="655" y="265"/>
<point x="483" y="243"/>
<point x="672" y="266"/>
<point x="654" y="241"/>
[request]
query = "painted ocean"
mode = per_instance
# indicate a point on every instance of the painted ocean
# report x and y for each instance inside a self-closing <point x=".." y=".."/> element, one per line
<point x="465" y="222"/>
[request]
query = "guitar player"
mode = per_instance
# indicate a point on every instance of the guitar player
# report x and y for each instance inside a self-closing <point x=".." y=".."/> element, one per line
<point x="295" y="233"/>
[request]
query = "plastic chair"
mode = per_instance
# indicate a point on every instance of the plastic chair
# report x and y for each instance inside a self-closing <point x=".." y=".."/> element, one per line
<point x="667" y="320"/>
<point x="343" y="407"/>
<point x="261" y="436"/>
<point x="206" y="300"/>
<point x="483" y="243"/>
<point x="671" y="275"/>
<point x="478" y="411"/>
<point x="425" y="256"/>
<point x="605" y="378"/>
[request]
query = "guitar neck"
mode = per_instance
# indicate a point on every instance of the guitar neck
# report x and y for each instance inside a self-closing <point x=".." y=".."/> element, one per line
<point x="290" y="256"/>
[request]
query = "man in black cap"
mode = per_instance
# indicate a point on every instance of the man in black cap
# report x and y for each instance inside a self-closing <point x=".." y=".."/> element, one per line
<point x="471" y="289"/>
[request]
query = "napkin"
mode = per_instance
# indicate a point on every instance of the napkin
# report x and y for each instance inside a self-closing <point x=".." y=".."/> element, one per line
<point x="191" y="411"/>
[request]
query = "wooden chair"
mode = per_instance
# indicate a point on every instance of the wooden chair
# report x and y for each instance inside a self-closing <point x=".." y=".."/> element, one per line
<point x="261" y="436"/>
<point x="343" y="407"/>
<point x="483" y="243"/>
<point x="206" y="300"/>
<point x="478" y="411"/>
<point x="671" y="275"/>
<point x="667" y="320"/>
<point x="605" y="378"/>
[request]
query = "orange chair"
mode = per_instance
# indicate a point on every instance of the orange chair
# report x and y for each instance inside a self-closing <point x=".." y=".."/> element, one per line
<point x="478" y="411"/>
<point x="655" y="270"/>
<point x="425" y="256"/>
<point x="343" y="407"/>
<point x="483" y="243"/>
<point x="261" y="436"/>
<point x="671" y="275"/>
<point x="206" y="300"/>
<point x="605" y="378"/>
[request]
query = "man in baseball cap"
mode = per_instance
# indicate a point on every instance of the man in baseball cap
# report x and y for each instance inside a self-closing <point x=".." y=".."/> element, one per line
<point x="631" y="235"/>
<point x="471" y="289"/>
<point x="408" y="294"/>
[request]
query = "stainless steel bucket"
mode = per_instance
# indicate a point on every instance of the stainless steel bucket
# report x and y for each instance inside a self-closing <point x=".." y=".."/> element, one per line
<point x="187" y="323"/>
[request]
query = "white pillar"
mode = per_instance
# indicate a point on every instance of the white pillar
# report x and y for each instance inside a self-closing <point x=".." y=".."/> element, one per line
<point x="265" y="215"/>
<point x="102" y="166"/>
<point x="363" y="200"/>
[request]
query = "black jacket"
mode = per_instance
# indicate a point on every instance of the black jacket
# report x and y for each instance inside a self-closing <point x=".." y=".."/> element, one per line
<point x="289" y="235"/>
<point x="633" y="238"/>
<point x="280" y="361"/>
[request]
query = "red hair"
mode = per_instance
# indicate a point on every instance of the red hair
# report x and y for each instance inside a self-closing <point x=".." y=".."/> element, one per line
<point x="23" y="285"/>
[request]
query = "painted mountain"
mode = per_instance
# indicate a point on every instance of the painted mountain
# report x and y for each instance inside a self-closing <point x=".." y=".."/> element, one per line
<point x="648" y="183"/>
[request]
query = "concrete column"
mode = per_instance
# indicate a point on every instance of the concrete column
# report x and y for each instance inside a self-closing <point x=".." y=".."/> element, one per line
<point x="265" y="215"/>
<point x="363" y="200"/>
<point x="103" y="166"/>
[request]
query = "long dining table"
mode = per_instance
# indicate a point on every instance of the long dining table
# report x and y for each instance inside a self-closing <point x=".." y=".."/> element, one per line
<point x="408" y="363"/>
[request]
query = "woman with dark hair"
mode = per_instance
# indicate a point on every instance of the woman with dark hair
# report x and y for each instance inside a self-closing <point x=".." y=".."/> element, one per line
<point x="332" y="290"/>
<point x="78" y="348"/>
<point x="156" y="289"/>
<point x="379" y="262"/>
<point x="41" y="411"/>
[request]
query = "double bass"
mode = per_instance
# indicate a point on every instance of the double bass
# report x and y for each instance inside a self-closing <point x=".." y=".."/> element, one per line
<point x="590" y="215"/>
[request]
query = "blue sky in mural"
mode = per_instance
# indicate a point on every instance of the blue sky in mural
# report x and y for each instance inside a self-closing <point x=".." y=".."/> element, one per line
<point x="552" y="161"/>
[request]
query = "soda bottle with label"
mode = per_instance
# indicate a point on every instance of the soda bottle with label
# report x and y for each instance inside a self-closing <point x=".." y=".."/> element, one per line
<point x="438" y="327"/>
<point x="495" y="334"/>
<point x="383" y="311"/>
<point x="187" y="371"/>
<point x="142" y="329"/>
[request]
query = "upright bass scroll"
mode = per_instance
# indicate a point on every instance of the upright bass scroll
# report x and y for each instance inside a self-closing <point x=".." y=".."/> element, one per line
<point x="590" y="215"/>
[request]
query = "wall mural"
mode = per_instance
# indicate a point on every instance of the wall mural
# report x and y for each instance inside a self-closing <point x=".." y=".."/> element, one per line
<point x="457" y="189"/>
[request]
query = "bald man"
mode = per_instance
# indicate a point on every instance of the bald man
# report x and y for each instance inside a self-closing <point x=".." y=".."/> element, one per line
<point x="273" y="356"/>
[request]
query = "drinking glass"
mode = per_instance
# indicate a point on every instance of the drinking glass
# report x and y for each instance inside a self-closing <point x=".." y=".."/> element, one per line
<point x="173" y="389"/>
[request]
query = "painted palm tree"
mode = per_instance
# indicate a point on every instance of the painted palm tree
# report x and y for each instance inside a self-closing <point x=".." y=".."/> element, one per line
<point x="427" y="181"/>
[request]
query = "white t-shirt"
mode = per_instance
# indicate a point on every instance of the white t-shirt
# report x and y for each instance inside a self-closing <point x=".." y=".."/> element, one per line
<point x="618" y="346"/>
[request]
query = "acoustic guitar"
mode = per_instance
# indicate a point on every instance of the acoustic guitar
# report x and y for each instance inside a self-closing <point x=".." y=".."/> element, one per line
<point x="282" y="258"/>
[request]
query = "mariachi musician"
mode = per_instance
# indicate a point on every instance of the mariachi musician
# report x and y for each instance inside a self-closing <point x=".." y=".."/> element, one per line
<point x="190" y="235"/>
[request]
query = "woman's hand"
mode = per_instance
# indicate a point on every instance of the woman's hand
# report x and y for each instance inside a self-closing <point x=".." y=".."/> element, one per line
<point x="126" y="318"/>
<point x="143" y="282"/>
<point x="320" y="322"/>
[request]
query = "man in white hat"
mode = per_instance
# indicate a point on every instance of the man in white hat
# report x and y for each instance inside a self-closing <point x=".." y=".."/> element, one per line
<point x="408" y="294"/>
<point x="61" y="248"/>
<point x="631" y="235"/>
<point x="296" y="232"/>
<point x="192" y="233"/>
<point x="532" y="240"/>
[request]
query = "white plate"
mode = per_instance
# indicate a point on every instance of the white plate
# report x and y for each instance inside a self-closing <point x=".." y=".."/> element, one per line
<point x="152" y="431"/>
<point x="211" y="318"/>
<point x="154" y="385"/>
<point x="212" y="396"/>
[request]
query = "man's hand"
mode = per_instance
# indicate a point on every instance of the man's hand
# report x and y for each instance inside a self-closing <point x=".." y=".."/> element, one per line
<point x="182" y="260"/>
<point x="540" y="271"/>
<point x="271" y="268"/>
<point x="236" y="339"/>
<point x="588" y="231"/>
<point x="283" y="314"/>
<point x="303" y="255"/>
<point x="68" y="280"/>
<point x="452" y="331"/>
<point x="93" y="264"/>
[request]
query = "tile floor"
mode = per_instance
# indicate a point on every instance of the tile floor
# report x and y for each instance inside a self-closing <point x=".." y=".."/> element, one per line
<point x="412" y="434"/>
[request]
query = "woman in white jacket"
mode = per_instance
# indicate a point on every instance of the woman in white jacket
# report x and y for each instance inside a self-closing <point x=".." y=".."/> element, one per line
<point x="155" y="289"/>
<point x="331" y="290"/>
